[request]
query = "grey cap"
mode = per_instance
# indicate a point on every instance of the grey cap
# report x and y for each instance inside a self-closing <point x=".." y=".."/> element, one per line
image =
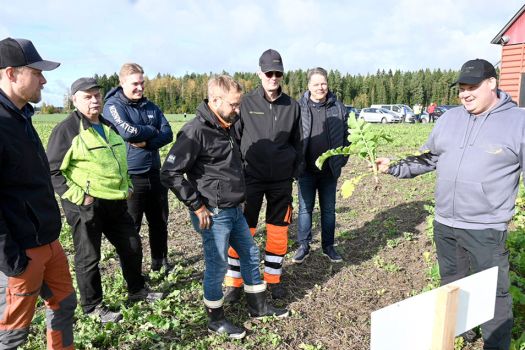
<point x="84" y="84"/>
<point x="22" y="52"/>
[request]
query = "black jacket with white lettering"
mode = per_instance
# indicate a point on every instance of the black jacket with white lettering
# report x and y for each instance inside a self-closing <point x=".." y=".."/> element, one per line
<point x="270" y="136"/>
<point x="210" y="158"/>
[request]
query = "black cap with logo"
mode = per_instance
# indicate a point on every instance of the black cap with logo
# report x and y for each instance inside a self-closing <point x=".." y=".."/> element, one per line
<point x="270" y="61"/>
<point x="475" y="71"/>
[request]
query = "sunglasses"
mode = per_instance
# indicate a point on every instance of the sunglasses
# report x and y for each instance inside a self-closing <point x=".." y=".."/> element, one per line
<point x="272" y="74"/>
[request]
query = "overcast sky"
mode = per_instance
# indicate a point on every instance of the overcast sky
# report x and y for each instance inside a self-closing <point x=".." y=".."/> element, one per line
<point x="202" y="36"/>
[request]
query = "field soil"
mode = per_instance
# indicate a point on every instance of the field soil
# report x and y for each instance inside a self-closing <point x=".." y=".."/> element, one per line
<point x="381" y="234"/>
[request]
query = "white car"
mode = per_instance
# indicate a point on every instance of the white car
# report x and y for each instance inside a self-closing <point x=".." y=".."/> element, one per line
<point x="379" y="115"/>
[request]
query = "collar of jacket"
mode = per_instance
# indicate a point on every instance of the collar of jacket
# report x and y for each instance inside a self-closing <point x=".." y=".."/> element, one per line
<point x="206" y="114"/>
<point x="27" y="111"/>
<point x="260" y="91"/>
<point x="86" y="124"/>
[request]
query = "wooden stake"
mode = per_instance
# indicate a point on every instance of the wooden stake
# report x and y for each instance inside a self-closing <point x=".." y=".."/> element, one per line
<point x="445" y="319"/>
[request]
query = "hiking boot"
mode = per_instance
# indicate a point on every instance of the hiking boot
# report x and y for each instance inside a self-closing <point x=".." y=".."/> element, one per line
<point x="302" y="253"/>
<point x="232" y="294"/>
<point x="217" y="323"/>
<point x="277" y="290"/>
<point x="105" y="315"/>
<point x="258" y="307"/>
<point x="332" y="254"/>
<point x="158" y="264"/>
<point x="145" y="295"/>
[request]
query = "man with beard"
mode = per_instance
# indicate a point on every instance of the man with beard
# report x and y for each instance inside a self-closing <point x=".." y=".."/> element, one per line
<point x="204" y="169"/>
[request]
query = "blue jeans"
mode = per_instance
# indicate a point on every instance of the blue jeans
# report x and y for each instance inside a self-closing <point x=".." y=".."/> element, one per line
<point x="326" y="186"/>
<point x="228" y="228"/>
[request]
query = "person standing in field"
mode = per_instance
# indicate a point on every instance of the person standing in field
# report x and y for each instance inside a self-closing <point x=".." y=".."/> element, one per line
<point x="89" y="172"/>
<point x="269" y="130"/>
<point x="32" y="261"/>
<point x="204" y="169"/>
<point x="478" y="153"/>
<point x="430" y="109"/>
<point x="324" y="123"/>
<point x="145" y="129"/>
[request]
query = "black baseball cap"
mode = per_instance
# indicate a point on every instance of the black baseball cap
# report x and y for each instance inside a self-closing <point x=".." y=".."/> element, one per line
<point x="22" y="52"/>
<point x="271" y="61"/>
<point x="475" y="71"/>
<point x="84" y="84"/>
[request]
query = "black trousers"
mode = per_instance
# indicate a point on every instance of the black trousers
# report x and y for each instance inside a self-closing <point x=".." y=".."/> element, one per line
<point x="461" y="252"/>
<point x="150" y="197"/>
<point x="88" y="222"/>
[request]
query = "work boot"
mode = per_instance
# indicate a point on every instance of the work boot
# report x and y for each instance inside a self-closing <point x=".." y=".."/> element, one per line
<point x="145" y="295"/>
<point x="158" y="264"/>
<point x="302" y="253"/>
<point x="105" y="315"/>
<point x="232" y="294"/>
<point x="258" y="307"/>
<point x="217" y="323"/>
<point x="332" y="254"/>
<point x="277" y="290"/>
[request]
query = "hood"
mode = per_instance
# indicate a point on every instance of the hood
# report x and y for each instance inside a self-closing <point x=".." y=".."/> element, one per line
<point x="205" y="114"/>
<point x="118" y="93"/>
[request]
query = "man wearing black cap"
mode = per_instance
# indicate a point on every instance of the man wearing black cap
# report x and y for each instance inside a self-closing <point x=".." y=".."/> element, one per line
<point x="478" y="153"/>
<point x="32" y="261"/>
<point x="269" y="131"/>
<point x="89" y="172"/>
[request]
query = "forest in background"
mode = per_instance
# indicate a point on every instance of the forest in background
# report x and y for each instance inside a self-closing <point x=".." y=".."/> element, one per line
<point x="183" y="94"/>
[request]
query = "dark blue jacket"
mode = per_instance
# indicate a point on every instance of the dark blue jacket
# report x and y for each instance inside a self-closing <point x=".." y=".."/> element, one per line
<point x="137" y="122"/>
<point x="29" y="214"/>
<point x="336" y="126"/>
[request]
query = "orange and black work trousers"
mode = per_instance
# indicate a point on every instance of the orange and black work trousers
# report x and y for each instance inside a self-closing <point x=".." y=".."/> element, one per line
<point x="47" y="274"/>
<point x="278" y="196"/>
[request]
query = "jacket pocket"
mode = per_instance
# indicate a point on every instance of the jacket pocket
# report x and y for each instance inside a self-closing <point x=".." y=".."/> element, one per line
<point x="471" y="203"/>
<point x="32" y="216"/>
<point x="444" y="198"/>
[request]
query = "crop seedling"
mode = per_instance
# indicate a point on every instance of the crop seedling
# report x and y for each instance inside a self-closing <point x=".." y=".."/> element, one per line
<point x="364" y="142"/>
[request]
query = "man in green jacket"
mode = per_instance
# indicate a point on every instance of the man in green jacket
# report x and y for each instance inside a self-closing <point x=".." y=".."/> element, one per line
<point x="89" y="172"/>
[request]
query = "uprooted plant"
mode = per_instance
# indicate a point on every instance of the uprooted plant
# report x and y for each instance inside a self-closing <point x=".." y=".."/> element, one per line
<point x="364" y="142"/>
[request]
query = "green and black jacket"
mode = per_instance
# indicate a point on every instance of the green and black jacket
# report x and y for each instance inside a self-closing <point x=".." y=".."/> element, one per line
<point x="82" y="162"/>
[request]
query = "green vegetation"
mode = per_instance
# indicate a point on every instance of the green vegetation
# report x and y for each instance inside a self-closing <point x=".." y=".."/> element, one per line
<point x="179" y="321"/>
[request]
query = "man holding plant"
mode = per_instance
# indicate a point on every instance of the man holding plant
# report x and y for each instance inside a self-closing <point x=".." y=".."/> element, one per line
<point x="479" y="153"/>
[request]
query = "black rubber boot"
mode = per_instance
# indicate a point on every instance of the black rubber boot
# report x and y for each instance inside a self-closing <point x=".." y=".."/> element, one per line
<point x="258" y="307"/>
<point x="232" y="294"/>
<point x="217" y="323"/>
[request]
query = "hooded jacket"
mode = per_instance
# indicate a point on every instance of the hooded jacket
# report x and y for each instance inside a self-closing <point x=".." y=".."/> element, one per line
<point x="336" y="130"/>
<point x="29" y="214"/>
<point x="478" y="160"/>
<point x="270" y="136"/>
<point x="137" y="122"/>
<point x="210" y="158"/>
<point x="82" y="162"/>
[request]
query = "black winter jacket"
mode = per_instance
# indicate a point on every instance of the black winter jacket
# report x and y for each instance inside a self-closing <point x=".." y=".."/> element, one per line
<point x="336" y="126"/>
<point x="29" y="214"/>
<point x="211" y="160"/>
<point x="270" y="136"/>
<point x="136" y="122"/>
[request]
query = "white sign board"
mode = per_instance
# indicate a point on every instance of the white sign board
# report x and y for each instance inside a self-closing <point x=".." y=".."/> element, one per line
<point x="408" y="324"/>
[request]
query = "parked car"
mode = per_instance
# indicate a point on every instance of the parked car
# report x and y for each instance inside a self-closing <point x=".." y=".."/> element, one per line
<point x="403" y="111"/>
<point x="379" y="115"/>
<point x="350" y="109"/>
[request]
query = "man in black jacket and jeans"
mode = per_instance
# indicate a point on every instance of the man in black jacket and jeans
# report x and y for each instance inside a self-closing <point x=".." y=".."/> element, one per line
<point x="204" y="169"/>
<point x="32" y="261"/>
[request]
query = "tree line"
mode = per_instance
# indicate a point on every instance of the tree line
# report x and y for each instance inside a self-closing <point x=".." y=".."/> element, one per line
<point x="183" y="94"/>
